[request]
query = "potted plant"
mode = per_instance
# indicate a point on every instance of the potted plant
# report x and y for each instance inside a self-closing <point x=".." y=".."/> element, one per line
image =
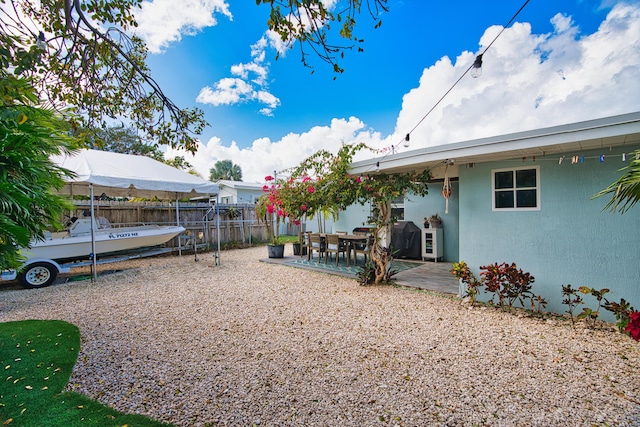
<point x="434" y="221"/>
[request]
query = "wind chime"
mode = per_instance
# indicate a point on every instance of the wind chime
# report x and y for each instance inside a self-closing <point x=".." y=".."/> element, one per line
<point x="447" y="190"/>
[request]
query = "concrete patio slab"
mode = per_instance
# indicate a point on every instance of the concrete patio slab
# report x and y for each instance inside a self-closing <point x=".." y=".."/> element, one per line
<point x="431" y="276"/>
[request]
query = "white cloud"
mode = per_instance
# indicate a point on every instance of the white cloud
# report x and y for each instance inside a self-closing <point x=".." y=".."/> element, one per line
<point x="276" y="42"/>
<point x="254" y="73"/>
<point x="529" y="81"/>
<point x="243" y="70"/>
<point x="251" y="84"/>
<point x="264" y="156"/>
<point x="161" y="22"/>
<point x="227" y="91"/>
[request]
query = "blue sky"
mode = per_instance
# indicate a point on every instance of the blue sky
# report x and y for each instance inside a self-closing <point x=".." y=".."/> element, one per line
<point x="408" y="63"/>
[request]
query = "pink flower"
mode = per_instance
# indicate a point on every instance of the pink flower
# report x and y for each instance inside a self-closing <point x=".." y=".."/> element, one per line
<point x="633" y="327"/>
<point x="303" y="208"/>
<point x="265" y="187"/>
<point x="311" y="190"/>
<point x="358" y="179"/>
<point x="296" y="222"/>
<point x="306" y="178"/>
<point x="280" y="212"/>
<point x="270" y="209"/>
<point x="268" y="178"/>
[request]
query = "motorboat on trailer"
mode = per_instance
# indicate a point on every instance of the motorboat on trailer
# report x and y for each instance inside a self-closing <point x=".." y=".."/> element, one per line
<point x="76" y="244"/>
<point x="45" y="258"/>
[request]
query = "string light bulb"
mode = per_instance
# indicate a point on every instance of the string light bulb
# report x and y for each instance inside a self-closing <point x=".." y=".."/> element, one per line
<point x="407" y="141"/>
<point x="476" y="68"/>
<point x="41" y="44"/>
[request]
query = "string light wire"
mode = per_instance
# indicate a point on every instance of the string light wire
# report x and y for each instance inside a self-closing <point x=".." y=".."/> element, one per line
<point x="407" y="137"/>
<point x="468" y="69"/>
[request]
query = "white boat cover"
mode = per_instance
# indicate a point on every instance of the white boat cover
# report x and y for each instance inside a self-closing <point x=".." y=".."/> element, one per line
<point x="129" y="175"/>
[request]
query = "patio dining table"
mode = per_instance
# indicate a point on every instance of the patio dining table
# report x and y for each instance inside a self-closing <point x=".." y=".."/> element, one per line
<point x="350" y="240"/>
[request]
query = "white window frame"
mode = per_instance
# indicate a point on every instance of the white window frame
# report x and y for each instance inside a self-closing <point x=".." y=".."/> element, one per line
<point x="515" y="208"/>
<point x="398" y="204"/>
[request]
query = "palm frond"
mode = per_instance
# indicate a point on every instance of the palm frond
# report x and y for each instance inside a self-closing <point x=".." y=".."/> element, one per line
<point x="626" y="190"/>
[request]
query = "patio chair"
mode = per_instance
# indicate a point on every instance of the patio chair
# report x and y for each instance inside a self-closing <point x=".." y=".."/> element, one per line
<point x="304" y="243"/>
<point x="334" y="246"/>
<point x="362" y="248"/>
<point x="316" y="244"/>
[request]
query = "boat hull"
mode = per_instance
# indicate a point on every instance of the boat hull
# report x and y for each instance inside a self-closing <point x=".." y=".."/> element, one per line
<point x="106" y="240"/>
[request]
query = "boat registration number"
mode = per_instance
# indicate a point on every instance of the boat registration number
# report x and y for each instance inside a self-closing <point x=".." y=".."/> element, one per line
<point x="122" y="235"/>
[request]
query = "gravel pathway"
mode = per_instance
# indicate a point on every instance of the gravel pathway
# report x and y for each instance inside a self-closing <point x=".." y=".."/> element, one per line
<point x="253" y="343"/>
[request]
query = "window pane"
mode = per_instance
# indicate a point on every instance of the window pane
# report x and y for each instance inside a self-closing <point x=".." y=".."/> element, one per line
<point x="504" y="199"/>
<point x="398" y="213"/>
<point x="525" y="178"/>
<point x="504" y="179"/>
<point x="526" y="198"/>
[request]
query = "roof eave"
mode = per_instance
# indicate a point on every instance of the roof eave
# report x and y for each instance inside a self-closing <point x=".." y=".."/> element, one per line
<point x="606" y="132"/>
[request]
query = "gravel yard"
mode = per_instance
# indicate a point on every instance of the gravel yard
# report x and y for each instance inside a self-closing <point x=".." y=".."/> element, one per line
<point x="254" y="343"/>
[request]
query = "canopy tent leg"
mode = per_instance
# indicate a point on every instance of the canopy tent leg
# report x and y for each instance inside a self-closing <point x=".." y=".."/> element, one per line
<point x="177" y="210"/>
<point x="94" y="275"/>
<point x="217" y="255"/>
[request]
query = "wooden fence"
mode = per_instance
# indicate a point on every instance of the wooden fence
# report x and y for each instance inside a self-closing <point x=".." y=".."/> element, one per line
<point x="238" y="223"/>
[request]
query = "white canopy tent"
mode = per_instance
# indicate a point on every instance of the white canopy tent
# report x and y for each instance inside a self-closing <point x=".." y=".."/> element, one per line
<point x="131" y="176"/>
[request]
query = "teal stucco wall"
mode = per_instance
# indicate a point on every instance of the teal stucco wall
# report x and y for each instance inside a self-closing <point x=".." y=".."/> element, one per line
<point x="352" y="217"/>
<point x="416" y="208"/>
<point x="570" y="240"/>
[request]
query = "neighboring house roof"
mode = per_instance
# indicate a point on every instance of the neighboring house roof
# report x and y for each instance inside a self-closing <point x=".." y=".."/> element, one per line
<point x="606" y="132"/>
<point x="239" y="185"/>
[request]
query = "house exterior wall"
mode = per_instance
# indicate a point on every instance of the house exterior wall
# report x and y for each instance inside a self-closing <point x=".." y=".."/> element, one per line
<point x="226" y="195"/>
<point x="234" y="196"/>
<point x="352" y="217"/>
<point x="569" y="240"/>
<point x="248" y="196"/>
<point x="415" y="209"/>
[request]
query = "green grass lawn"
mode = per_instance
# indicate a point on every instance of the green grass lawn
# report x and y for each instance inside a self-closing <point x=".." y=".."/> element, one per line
<point x="36" y="359"/>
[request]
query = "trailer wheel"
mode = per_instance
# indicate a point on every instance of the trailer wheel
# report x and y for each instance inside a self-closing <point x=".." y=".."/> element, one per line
<point x="38" y="275"/>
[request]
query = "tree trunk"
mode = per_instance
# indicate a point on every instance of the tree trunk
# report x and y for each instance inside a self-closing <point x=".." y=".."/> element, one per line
<point x="380" y="253"/>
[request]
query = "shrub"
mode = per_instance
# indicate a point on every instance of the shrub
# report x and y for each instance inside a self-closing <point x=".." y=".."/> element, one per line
<point x="589" y="315"/>
<point x="622" y="310"/>
<point x="571" y="299"/>
<point x="463" y="273"/>
<point x="509" y="283"/>
<point x="367" y="275"/>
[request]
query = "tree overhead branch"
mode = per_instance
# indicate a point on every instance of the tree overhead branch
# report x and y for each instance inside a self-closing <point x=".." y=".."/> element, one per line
<point x="92" y="68"/>
<point x="100" y="73"/>
<point x="309" y="23"/>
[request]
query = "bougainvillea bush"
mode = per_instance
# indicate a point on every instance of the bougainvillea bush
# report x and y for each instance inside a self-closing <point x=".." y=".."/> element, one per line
<point x="322" y="184"/>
